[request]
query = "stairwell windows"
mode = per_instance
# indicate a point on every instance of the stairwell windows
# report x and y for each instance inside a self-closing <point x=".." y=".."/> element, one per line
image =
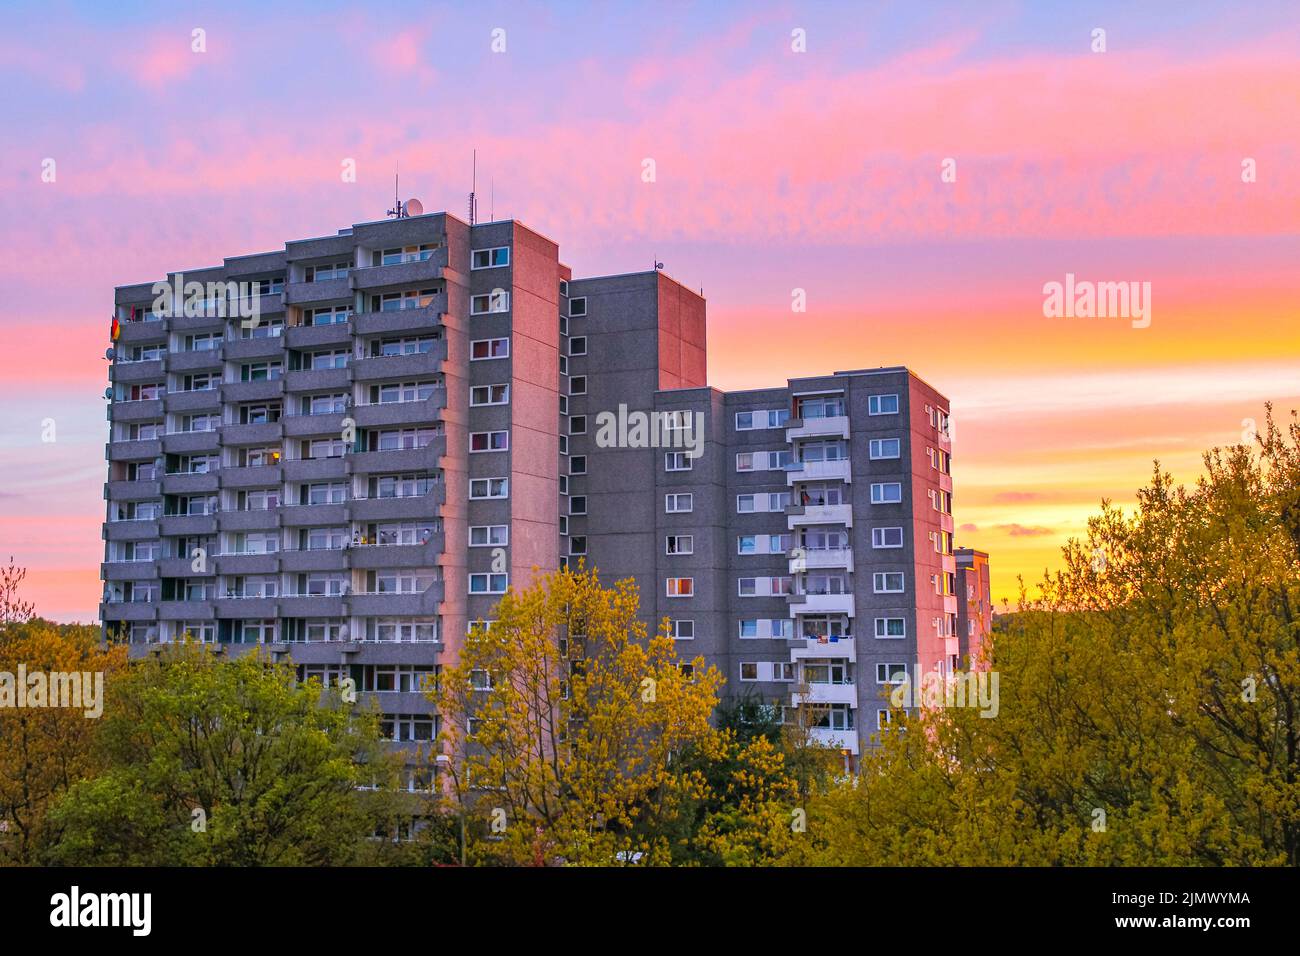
<point x="490" y="258"/>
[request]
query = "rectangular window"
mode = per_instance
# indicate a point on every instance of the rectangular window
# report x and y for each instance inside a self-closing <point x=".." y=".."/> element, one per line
<point x="679" y="544"/>
<point x="887" y="582"/>
<point x="882" y="405"/>
<point x="578" y="425"/>
<point x="496" y="301"/>
<point x="481" y="349"/>
<point x="578" y="385"/>
<point x="486" y="535"/>
<point x="578" y="306"/>
<point x="488" y="583"/>
<point x="578" y="505"/>
<point x="683" y="630"/>
<point x="885" y="447"/>
<point x="578" y="465"/>
<point x="578" y="345"/>
<point x="491" y="258"/>
<point x="886" y="493"/>
<point x="886" y="537"/>
<point x="747" y="544"/>
<point x="891" y="627"/>
<point x="489" y="441"/>
<point x="763" y="418"/>
<point x="489" y="488"/>
<point x="748" y="670"/>
<point x="680" y="587"/>
<point x="891" y="673"/>
<point x="677" y="461"/>
<point x="490" y="395"/>
<point x="679" y="503"/>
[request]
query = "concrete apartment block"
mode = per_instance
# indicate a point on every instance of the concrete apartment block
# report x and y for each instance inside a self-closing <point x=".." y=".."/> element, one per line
<point x="414" y="424"/>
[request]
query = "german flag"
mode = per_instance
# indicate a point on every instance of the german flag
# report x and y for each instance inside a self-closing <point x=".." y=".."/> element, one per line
<point x="115" y="329"/>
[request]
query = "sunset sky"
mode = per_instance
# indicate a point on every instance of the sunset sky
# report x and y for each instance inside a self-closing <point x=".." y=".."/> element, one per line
<point x="775" y="170"/>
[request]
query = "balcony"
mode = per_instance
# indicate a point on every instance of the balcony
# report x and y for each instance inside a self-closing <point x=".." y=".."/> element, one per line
<point x="183" y="443"/>
<point x="422" y="320"/>
<point x="411" y="366"/>
<point x="182" y="568"/>
<point x="262" y="519"/>
<point x="112" y="611"/>
<point x="129" y="570"/>
<point x="819" y="471"/>
<point x="250" y="349"/>
<point x="325" y="290"/>
<point x="142" y="333"/>
<point x="196" y="361"/>
<point x="199" y="400"/>
<point x="416" y="460"/>
<point x="145" y="449"/>
<point x="186" y="611"/>
<point x="250" y="563"/>
<point x="256" y="476"/>
<point x="827" y="694"/>
<point x="252" y="391"/>
<point x="314" y="336"/>
<point x="383" y="605"/>
<point x="797" y="515"/>
<point x="145" y="410"/>
<point x="261" y="433"/>
<point x="190" y="483"/>
<point x="131" y="530"/>
<point x="298" y="516"/>
<point x="821" y="604"/>
<point x="319" y="559"/>
<point x="421" y="555"/>
<point x="401" y="273"/>
<point x="823" y="558"/>
<point x="130" y="373"/>
<point x="314" y="469"/>
<point x="843" y="648"/>
<point x="188" y="524"/>
<point x="124" y="491"/>
<point x="246" y="607"/>
<point x="388" y="509"/>
<point x="838" y="739"/>
<point x="830" y="426"/>
<point x="317" y="379"/>
<point x="401" y="413"/>
<point x="313" y="605"/>
<point x="208" y="321"/>
<point x="298" y="426"/>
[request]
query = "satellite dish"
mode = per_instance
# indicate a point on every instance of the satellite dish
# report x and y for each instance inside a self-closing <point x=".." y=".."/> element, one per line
<point x="110" y="353"/>
<point x="108" y="392"/>
<point x="414" y="207"/>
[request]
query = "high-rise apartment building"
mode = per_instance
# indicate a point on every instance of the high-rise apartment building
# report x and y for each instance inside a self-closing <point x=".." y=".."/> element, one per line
<point x="419" y="412"/>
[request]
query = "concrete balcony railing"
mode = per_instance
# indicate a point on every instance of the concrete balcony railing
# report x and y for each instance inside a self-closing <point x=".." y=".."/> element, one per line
<point x="402" y="320"/>
<point x="317" y="379"/>
<point x="187" y="525"/>
<point x="199" y="400"/>
<point x="818" y="471"/>
<point x="324" y="290"/>
<point x="843" y="648"/>
<point x="259" y="519"/>
<point x="246" y="607"/>
<point x="129" y="570"/>
<point x="831" y="426"/>
<point x="415" y="365"/>
<point x="128" y="611"/>
<point x="196" y="361"/>
<point x="188" y="483"/>
<point x="401" y="413"/>
<point x="320" y="559"/>
<point x="420" y="555"/>
<point x="401" y="273"/>
<point x="822" y="558"/>
<point x="182" y="443"/>
<point x="383" y="605"/>
<point x="250" y="349"/>
<point x="131" y="530"/>
<point x="315" y="336"/>
<point x="128" y="373"/>
<point x="838" y="739"/>
<point x="313" y="605"/>
<point x="388" y="509"/>
<point x="827" y="694"/>
<point x="314" y="469"/>
<point x="797" y="515"/>
<point x="266" y="388"/>
<point x="256" y="476"/>
<point x="145" y="449"/>
<point x="261" y="433"/>
<point x="821" y="604"/>
<point x="333" y="514"/>
<point x="301" y="426"/>
<point x="250" y="563"/>
<point x="124" y="491"/>
<point x="145" y="410"/>
<point x="142" y="333"/>
<point x="414" y="460"/>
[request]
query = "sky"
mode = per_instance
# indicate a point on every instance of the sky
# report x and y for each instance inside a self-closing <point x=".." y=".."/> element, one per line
<point x="795" y="146"/>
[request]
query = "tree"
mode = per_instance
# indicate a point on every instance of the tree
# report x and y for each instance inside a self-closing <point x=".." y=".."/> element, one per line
<point x="215" y="762"/>
<point x="13" y="610"/>
<point x="564" y="724"/>
<point x="1149" y="699"/>
<point x="43" y="750"/>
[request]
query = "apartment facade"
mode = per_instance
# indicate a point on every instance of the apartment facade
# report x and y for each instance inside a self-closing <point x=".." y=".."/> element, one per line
<point x="974" y="605"/>
<point x="410" y="424"/>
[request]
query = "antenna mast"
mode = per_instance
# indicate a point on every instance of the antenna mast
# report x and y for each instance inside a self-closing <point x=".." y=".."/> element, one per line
<point x="398" y="211"/>
<point x="473" y="204"/>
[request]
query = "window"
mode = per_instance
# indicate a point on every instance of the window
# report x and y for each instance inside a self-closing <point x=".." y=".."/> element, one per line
<point x="681" y="587"/>
<point x="578" y="306"/>
<point x="783" y="671"/>
<point x="490" y="258"/>
<point x="488" y="583"/>
<point x="489" y="488"/>
<point x="891" y="673"/>
<point x="489" y="441"/>
<point x="886" y="493"/>
<point x="578" y="465"/>
<point x="489" y="395"/>
<point x="887" y="582"/>
<point x="680" y="544"/>
<point x="747" y="544"/>
<point x="677" y="461"/>
<point x="496" y="301"/>
<point x="564" y="287"/>
<point x="679" y="503"/>
<point x="578" y="345"/>
<point x="481" y="349"/>
<point x="886" y="537"/>
<point x="400" y="254"/>
<point x="486" y="535"/>
<point x="748" y="670"/>
<point x="578" y="545"/>
<point x="578" y="425"/>
<point x="763" y="418"/>
<point x="891" y="627"/>
<point x="578" y="385"/>
<point x="821" y="407"/>
<point x="941" y="460"/>
<point x="882" y="405"/>
<point x="884" y="448"/>
<point x="883" y="719"/>
<point x="683" y="630"/>
<point x="578" y="505"/>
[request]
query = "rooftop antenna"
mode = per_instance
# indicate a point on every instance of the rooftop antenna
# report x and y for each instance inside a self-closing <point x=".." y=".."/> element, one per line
<point x="473" y="205"/>
<point x="398" y="211"/>
<point x="492" y="201"/>
<point x="658" y="265"/>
